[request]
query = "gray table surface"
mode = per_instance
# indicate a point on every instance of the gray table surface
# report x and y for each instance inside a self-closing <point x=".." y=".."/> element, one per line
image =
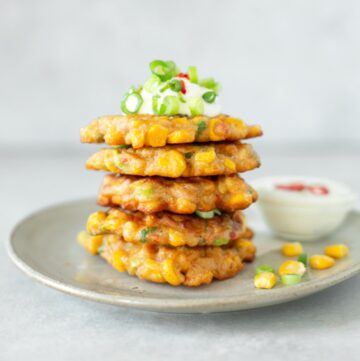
<point x="39" y="323"/>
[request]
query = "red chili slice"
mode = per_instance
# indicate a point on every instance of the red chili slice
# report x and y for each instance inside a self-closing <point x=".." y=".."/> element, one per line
<point x="319" y="190"/>
<point x="183" y="75"/>
<point x="297" y="187"/>
<point x="183" y="88"/>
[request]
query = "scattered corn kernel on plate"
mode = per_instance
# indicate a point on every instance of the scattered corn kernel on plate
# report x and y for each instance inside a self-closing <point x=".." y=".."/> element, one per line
<point x="43" y="247"/>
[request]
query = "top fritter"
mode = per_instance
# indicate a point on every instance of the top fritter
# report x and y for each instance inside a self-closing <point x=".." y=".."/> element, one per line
<point x="170" y="108"/>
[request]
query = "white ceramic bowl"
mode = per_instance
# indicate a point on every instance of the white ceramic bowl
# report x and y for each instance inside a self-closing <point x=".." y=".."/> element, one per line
<point x="303" y="216"/>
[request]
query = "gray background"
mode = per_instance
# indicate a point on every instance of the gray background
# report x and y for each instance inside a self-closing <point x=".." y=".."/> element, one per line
<point x="292" y="66"/>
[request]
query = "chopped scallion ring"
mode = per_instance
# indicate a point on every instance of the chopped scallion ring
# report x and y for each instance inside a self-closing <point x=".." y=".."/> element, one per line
<point x="290" y="280"/>
<point x="209" y="214"/>
<point x="170" y="105"/>
<point x="131" y="102"/>
<point x="196" y="105"/>
<point x="152" y="83"/>
<point x="209" y="97"/>
<point x="175" y="85"/>
<point x="165" y="70"/>
<point x="193" y="74"/>
<point x="210" y="83"/>
<point x="221" y="242"/>
<point x="264" y="268"/>
<point x="303" y="258"/>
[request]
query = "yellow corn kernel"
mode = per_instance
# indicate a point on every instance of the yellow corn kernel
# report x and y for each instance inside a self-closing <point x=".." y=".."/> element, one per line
<point x="217" y="129"/>
<point x="170" y="274"/>
<point x="151" y="270"/>
<point x="206" y="156"/>
<point x="95" y="222"/>
<point x="292" y="249"/>
<point x="171" y="164"/>
<point x="185" y="206"/>
<point x="237" y="200"/>
<point x="129" y="231"/>
<point x="112" y="160"/>
<point x="237" y="124"/>
<point x="228" y="163"/>
<point x="137" y="138"/>
<point x="247" y="249"/>
<point x="292" y="268"/>
<point x="320" y="261"/>
<point x="117" y="260"/>
<point x="337" y="250"/>
<point x="175" y="238"/>
<point x="181" y="136"/>
<point x="265" y="280"/>
<point x="113" y="136"/>
<point x="156" y="136"/>
<point x="94" y="243"/>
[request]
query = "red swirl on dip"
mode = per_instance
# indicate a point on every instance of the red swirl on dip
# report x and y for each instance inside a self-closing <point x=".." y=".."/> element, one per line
<point x="303" y="208"/>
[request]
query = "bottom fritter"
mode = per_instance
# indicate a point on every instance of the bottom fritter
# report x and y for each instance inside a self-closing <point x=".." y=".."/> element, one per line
<point x="174" y="265"/>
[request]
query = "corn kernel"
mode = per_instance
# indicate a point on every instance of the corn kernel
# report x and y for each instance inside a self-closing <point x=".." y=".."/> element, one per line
<point x="112" y="160"/>
<point x="292" y="249"/>
<point x="247" y="249"/>
<point x="113" y="136"/>
<point x="320" y="261"/>
<point x="185" y="206"/>
<point x="129" y="231"/>
<point x="228" y="163"/>
<point x="170" y="274"/>
<point x="137" y="138"/>
<point x="95" y="221"/>
<point x="265" y="280"/>
<point x="94" y="243"/>
<point x="156" y="136"/>
<point x="181" y="136"/>
<point x="171" y="164"/>
<point x="217" y="129"/>
<point x="337" y="251"/>
<point x="292" y="268"/>
<point x="206" y="156"/>
<point x="151" y="270"/>
<point x="175" y="238"/>
<point x="237" y="200"/>
<point x="117" y="260"/>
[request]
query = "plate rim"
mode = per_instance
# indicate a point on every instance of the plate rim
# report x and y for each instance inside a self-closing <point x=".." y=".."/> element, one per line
<point x="173" y="305"/>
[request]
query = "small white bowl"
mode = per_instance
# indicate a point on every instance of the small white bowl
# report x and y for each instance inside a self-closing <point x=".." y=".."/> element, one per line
<point x="303" y="216"/>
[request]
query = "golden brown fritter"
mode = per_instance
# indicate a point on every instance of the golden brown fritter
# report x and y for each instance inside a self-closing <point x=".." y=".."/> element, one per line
<point x="177" y="161"/>
<point x="183" y="196"/>
<point x="169" y="229"/>
<point x="144" y="130"/>
<point x="176" y="266"/>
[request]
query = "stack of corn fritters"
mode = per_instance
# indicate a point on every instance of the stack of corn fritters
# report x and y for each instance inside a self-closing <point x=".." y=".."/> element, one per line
<point x="174" y="194"/>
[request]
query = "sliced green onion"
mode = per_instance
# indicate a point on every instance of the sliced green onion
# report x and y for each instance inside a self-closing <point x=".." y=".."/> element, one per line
<point x="170" y="105"/>
<point x="209" y="214"/>
<point x="221" y="242"/>
<point x="193" y="74"/>
<point x="151" y="85"/>
<point x="209" y="97"/>
<point x="196" y="105"/>
<point x="131" y="102"/>
<point x="175" y="85"/>
<point x="303" y="258"/>
<point x="201" y="127"/>
<point x="210" y="83"/>
<point x="182" y="99"/>
<point x="264" y="268"/>
<point x="145" y="232"/>
<point x="165" y="70"/>
<point x="155" y="104"/>
<point x="145" y="192"/>
<point x="290" y="280"/>
<point x="188" y="155"/>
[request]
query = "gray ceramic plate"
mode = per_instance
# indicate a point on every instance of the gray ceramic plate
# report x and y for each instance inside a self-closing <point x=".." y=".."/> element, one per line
<point x="44" y="247"/>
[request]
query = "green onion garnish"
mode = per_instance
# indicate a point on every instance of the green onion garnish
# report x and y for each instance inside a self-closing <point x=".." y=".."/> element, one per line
<point x="290" y="280"/>
<point x="303" y="258"/>
<point x="188" y="155"/>
<point x="264" y="268"/>
<point x="170" y="105"/>
<point x="201" y="127"/>
<point x="165" y="70"/>
<point x="196" y="105"/>
<point x="221" y="242"/>
<point x="145" y="192"/>
<point x="131" y="102"/>
<point x="145" y="232"/>
<point x="209" y="214"/>
<point x="193" y="74"/>
<point x="210" y="83"/>
<point x="209" y="97"/>
<point x="152" y="83"/>
<point x="175" y="85"/>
